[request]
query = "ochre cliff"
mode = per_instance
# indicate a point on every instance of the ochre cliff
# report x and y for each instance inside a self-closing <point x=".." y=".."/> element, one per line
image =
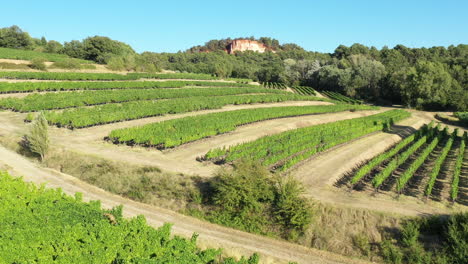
<point x="245" y="44"/>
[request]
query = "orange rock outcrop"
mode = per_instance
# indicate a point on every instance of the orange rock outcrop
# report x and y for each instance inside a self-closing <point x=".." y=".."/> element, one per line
<point x="245" y="44"/>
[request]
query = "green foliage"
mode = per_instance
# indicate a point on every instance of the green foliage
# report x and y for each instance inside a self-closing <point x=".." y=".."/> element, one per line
<point x="175" y="132"/>
<point x="410" y="234"/>
<point x="364" y="170"/>
<point x="108" y="113"/>
<point x="463" y="117"/>
<point x="6" y="87"/>
<point x="396" y="162"/>
<point x="391" y="253"/>
<point x="457" y="238"/>
<point x="341" y="98"/>
<point x="79" y="76"/>
<point x="37" y="140"/>
<point x="457" y="170"/>
<point x="284" y="150"/>
<point x="249" y="198"/>
<point x="415" y="165"/>
<point x="38" y="64"/>
<point x="46" y="226"/>
<point x="438" y="164"/>
<point x="18" y="54"/>
<point x="304" y="90"/>
<point x="48" y="101"/>
<point x="291" y="210"/>
<point x="452" y="231"/>
<point x="243" y="189"/>
<point x="14" y="37"/>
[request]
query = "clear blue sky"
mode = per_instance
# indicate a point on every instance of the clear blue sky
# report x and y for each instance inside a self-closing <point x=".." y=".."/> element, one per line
<point x="170" y="26"/>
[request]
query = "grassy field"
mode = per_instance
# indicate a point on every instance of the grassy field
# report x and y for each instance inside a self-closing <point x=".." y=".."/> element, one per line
<point x="16" y="54"/>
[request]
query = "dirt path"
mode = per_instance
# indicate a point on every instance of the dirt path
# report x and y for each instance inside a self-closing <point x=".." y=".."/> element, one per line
<point x="235" y="242"/>
<point x="321" y="172"/>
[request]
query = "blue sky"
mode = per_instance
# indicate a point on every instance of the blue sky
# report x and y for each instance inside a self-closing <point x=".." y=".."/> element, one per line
<point x="170" y="26"/>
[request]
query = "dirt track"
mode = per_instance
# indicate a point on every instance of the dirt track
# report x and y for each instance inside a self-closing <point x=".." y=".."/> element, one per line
<point x="235" y="242"/>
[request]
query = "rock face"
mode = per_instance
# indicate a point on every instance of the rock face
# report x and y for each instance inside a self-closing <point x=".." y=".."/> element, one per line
<point x="245" y="44"/>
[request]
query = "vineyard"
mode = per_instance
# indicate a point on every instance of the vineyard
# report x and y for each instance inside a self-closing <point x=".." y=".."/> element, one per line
<point x="48" y="226"/>
<point x="48" y="101"/>
<point x="175" y="132"/>
<point x="79" y="76"/>
<point x="274" y="85"/>
<point x="102" y="114"/>
<point x="427" y="164"/>
<point x="341" y="98"/>
<point x="303" y="90"/>
<point x="282" y="151"/>
<point x="103" y="85"/>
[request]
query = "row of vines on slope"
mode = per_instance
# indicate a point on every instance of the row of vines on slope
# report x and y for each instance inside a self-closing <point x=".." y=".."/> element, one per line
<point x="20" y="87"/>
<point x="81" y="76"/>
<point x="102" y="114"/>
<point x="282" y="151"/>
<point x="49" y="101"/>
<point x="46" y="226"/>
<point x="398" y="165"/>
<point x="175" y="132"/>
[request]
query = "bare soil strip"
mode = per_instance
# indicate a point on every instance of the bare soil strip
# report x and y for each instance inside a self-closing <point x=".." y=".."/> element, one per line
<point x="235" y="242"/>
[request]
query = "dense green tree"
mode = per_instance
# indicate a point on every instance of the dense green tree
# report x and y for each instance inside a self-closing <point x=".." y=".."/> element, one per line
<point x="100" y="49"/>
<point x="427" y="84"/>
<point x="14" y="37"/>
<point x="53" y="47"/>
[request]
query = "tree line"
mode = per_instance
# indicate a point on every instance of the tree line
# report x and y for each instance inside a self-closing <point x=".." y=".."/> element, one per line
<point x="433" y="78"/>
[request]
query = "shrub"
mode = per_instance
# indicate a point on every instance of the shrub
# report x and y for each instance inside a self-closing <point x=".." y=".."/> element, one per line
<point x="37" y="140"/>
<point x="67" y="64"/>
<point x="291" y="210"/>
<point x="243" y="189"/>
<point x="391" y="253"/>
<point x="38" y="64"/>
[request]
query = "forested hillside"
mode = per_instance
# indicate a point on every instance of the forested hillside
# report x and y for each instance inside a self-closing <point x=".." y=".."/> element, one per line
<point x="425" y="78"/>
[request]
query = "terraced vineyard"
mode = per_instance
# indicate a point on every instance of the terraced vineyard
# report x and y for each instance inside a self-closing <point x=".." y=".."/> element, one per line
<point x="103" y="85"/>
<point x="304" y="90"/>
<point x="78" y="232"/>
<point x="90" y="116"/>
<point x="282" y="151"/>
<point x="341" y="98"/>
<point x="48" y="101"/>
<point x="426" y="164"/>
<point x="79" y="76"/>
<point x="274" y="85"/>
<point x="175" y="132"/>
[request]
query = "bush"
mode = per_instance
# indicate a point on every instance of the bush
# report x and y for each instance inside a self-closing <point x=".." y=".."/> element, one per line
<point x="67" y="64"/>
<point x="37" y="140"/>
<point x="249" y="198"/>
<point x="410" y="233"/>
<point x="291" y="210"/>
<point x="38" y="64"/>
<point x="243" y="189"/>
